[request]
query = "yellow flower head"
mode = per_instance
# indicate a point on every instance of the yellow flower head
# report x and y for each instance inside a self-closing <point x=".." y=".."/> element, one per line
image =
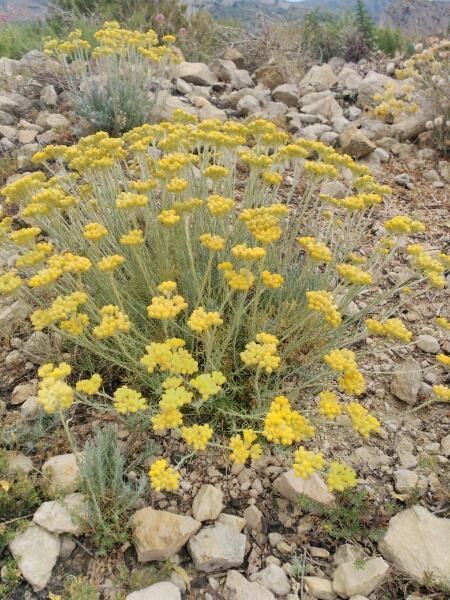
<point x="197" y="436"/>
<point x="109" y="263"/>
<point x="94" y="231"/>
<point x="340" y="477"/>
<point x="306" y="463"/>
<point x="283" y="425"/>
<point x="243" y="447"/>
<point x="127" y="400"/>
<point x="163" y="477"/>
<point x="89" y="386"/>
<point x="201" y="321"/>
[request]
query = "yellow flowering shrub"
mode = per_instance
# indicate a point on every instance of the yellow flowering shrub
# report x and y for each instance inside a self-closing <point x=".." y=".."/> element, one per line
<point x="110" y="79"/>
<point x="425" y="74"/>
<point x="216" y="297"/>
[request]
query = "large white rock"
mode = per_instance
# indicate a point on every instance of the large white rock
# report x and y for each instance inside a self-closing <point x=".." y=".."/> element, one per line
<point x="196" y="73"/>
<point x="418" y="543"/>
<point x="226" y="71"/>
<point x="287" y="93"/>
<point x="406" y="381"/>
<point x="320" y="588"/>
<point x="159" y="534"/>
<point x="216" y="548"/>
<point x="238" y="588"/>
<point x="290" y="487"/>
<point x="350" y="578"/>
<point x="373" y="83"/>
<point x="63" y="516"/>
<point x="274" y="579"/>
<point x="327" y="107"/>
<point x="319" y="78"/>
<point x="158" y="591"/>
<point x="13" y="315"/>
<point x="36" y="551"/>
<point x="62" y="474"/>
<point x="355" y="143"/>
<point x="348" y="78"/>
<point x="208" y="503"/>
<point x="14" y="103"/>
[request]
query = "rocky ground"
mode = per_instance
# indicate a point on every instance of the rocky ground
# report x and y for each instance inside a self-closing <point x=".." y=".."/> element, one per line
<point x="240" y="533"/>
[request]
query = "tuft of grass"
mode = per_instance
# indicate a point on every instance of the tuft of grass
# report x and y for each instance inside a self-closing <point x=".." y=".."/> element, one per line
<point x="353" y="517"/>
<point x="142" y="577"/>
<point x="79" y="588"/>
<point x="110" y="498"/>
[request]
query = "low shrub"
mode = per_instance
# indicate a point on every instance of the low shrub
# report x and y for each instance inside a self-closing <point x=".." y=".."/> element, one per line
<point x="201" y="270"/>
<point x="111" y="83"/>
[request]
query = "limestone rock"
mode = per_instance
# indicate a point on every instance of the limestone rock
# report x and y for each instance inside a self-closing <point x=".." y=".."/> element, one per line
<point x="327" y="107"/>
<point x="248" y="105"/>
<point x="8" y="132"/>
<point x="14" y="103"/>
<point x="319" y="78"/>
<point x="38" y="347"/>
<point x="226" y="71"/>
<point x="238" y="588"/>
<point x="406" y="381"/>
<point x="274" y="111"/>
<point x="235" y="55"/>
<point x="373" y="83"/>
<point x="418" y="543"/>
<point x="428" y="343"/>
<point x="48" y="95"/>
<point x="290" y="487"/>
<point x="196" y="73"/>
<point x="23" y="391"/>
<point x="411" y="127"/>
<point x="254" y="518"/>
<point x="405" y="481"/>
<point x="18" y="462"/>
<point x="233" y="521"/>
<point x="158" y="591"/>
<point x="62" y="516"/>
<point x="208" y="503"/>
<point x="27" y="136"/>
<point x="216" y="548"/>
<point x="9" y="67"/>
<point x="320" y="588"/>
<point x="354" y="142"/>
<point x="348" y="553"/>
<point x="6" y="118"/>
<point x="61" y="474"/>
<point x="159" y="534"/>
<point x="445" y="445"/>
<point x="350" y="579"/>
<point x="287" y="93"/>
<point x="270" y="76"/>
<point x="348" y="78"/>
<point x="274" y="579"/>
<point x="36" y="551"/>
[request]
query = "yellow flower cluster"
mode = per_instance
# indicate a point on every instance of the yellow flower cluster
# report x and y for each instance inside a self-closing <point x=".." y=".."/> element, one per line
<point x="24" y="236"/>
<point x="432" y="268"/>
<point x="216" y="172"/>
<point x="163" y="477"/>
<point x="109" y="263"/>
<point x="322" y="301"/>
<point x="242" y="447"/>
<point x="169" y="356"/>
<point x="212" y="242"/>
<point x="264" y="222"/>
<point x="9" y="283"/>
<point x="241" y="280"/>
<point x="340" y="477"/>
<point x="89" y="386"/>
<point x="219" y="205"/>
<point x="197" y="436"/>
<point x="208" y="384"/>
<point x="283" y="425"/>
<point x="344" y="361"/>
<point x="54" y="393"/>
<point x="329" y="405"/>
<point x="164" y="308"/>
<point x="316" y="250"/>
<point x="113" y="321"/>
<point x="35" y="256"/>
<point x="175" y="397"/>
<point x="443" y="322"/>
<point x="394" y="328"/>
<point x="362" y="421"/>
<point x="201" y="321"/>
<point x="442" y="392"/>
<point x="403" y="225"/>
<point x="443" y="359"/>
<point x="62" y="308"/>
<point x="168" y="218"/>
<point x="272" y="280"/>
<point x="306" y="462"/>
<point x="243" y="252"/>
<point x="132" y="238"/>
<point x="94" y="231"/>
<point x="262" y="353"/>
<point x="127" y="400"/>
<point x="354" y="274"/>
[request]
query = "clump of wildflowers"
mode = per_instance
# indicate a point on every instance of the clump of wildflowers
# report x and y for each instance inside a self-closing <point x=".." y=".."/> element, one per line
<point x="243" y="447"/>
<point x="163" y="477"/>
<point x="283" y="425"/>
<point x="306" y="462"/>
<point x="54" y="393"/>
<point x="340" y="477"/>
<point x="262" y="353"/>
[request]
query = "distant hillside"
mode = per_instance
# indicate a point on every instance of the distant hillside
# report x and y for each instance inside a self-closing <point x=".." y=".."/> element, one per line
<point x="417" y="17"/>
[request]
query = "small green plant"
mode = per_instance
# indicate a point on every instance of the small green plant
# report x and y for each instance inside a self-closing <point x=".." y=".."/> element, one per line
<point x="18" y="498"/>
<point x="143" y="577"/>
<point x="79" y="588"/>
<point x="32" y="436"/>
<point x="110" y="498"/>
<point x="10" y="578"/>
<point x="352" y="517"/>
